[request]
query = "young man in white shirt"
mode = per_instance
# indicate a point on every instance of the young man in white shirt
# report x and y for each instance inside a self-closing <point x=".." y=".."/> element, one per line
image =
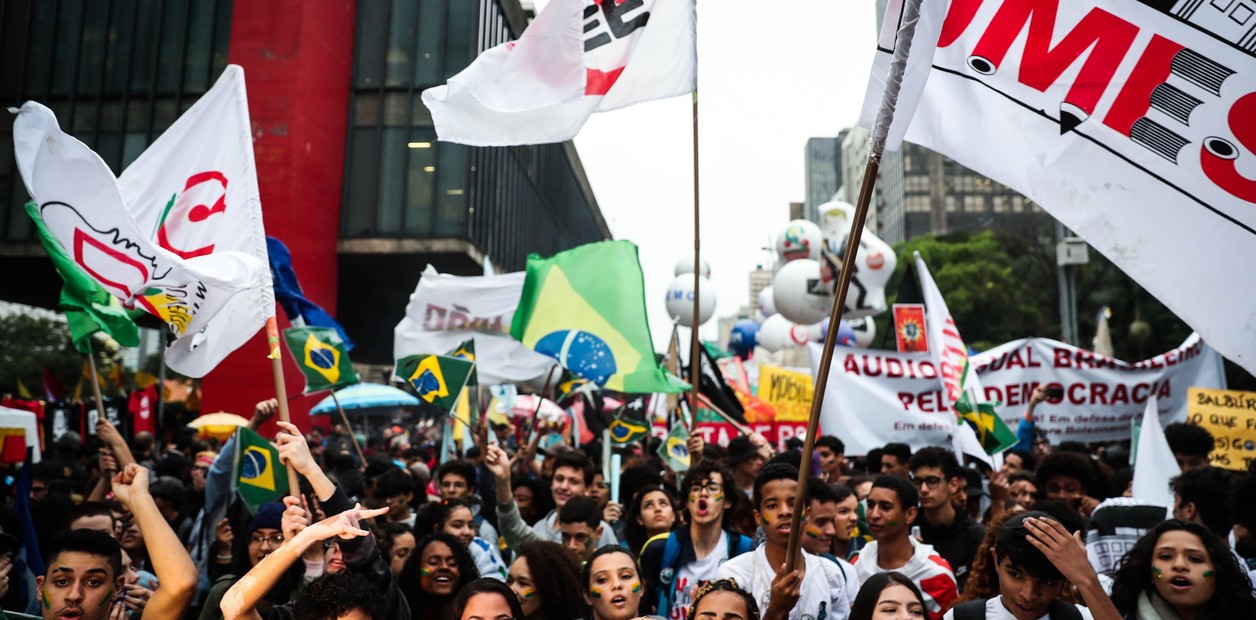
<point x="815" y="588"/>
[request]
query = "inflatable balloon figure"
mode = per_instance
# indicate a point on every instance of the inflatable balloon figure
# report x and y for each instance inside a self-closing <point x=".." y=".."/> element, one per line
<point x="874" y="263"/>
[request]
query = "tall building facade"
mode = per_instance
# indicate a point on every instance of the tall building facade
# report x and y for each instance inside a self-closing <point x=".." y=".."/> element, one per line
<point x="823" y="165"/>
<point x="351" y="175"/>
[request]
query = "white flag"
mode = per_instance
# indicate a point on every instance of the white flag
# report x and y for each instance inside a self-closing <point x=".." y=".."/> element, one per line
<point x="1133" y="123"/>
<point x="79" y="200"/>
<point x="194" y="191"/>
<point x="576" y="58"/>
<point x="927" y="27"/>
<point x="445" y="310"/>
<point x="1155" y="464"/>
<point x="950" y="354"/>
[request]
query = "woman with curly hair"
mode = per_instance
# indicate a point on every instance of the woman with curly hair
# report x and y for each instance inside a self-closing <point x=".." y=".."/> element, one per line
<point x="652" y="512"/>
<point x="722" y="599"/>
<point x="546" y="581"/>
<point x="454" y="517"/>
<point x="439" y="567"/>
<point x="1181" y="570"/>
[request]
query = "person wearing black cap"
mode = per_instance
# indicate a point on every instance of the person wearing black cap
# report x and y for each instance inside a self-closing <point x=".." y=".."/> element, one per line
<point x="1036" y="558"/>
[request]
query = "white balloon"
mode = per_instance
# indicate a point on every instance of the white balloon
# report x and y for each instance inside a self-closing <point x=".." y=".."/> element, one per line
<point x="774" y="333"/>
<point x="800" y="239"/>
<point x="790" y="288"/>
<point x="685" y="265"/>
<point x="766" y="304"/>
<point x="680" y="300"/>
<point x="865" y="330"/>
<point x="875" y="262"/>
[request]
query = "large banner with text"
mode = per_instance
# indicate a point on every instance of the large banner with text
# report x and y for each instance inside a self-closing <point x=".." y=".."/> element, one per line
<point x="877" y="397"/>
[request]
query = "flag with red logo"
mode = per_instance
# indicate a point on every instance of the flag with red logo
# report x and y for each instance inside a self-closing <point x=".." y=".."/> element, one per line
<point x="909" y="328"/>
<point x="1133" y="123"/>
<point x="576" y="58"/>
<point x="179" y="234"/>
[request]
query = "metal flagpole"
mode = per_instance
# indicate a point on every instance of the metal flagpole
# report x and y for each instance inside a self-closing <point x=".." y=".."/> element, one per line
<point x="885" y="114"/>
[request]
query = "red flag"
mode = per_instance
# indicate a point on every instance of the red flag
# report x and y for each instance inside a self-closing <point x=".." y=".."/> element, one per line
<point x="52" y="387"/>
<point x="909" y="328"/>
<point x="143" y="408"/>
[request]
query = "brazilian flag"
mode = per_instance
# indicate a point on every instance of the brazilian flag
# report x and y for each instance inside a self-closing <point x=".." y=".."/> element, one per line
<point x="626" y="430"/>
<point x="675" y="448"/>
<point x="586" y="308"/>
<point x="436" y="379"/>
<point x="258" y="475"/>
<point x="992" y="431"/>
<point x="322" y="357"/>
<point x="466" y="352"/>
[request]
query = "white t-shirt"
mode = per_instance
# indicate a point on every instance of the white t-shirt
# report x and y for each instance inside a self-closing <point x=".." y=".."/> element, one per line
<point x="996" y="611"/>
<point x="691" y="574"/>
<point x="823" y="595"/>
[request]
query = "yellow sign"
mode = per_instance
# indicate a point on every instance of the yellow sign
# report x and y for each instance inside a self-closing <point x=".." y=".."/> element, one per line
<point x="1230" y="415"/>
<point x="787" y="391"/>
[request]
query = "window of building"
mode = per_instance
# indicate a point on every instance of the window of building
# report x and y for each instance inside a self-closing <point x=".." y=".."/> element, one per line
<point x="974" y="204"/>
<point x="950" y="204"/>
<point x="916" y="204"/>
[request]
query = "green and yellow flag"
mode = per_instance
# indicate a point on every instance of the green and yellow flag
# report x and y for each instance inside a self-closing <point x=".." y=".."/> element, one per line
<point x="586" y="308"/>
<point x="88" y="307"/>
<point x="626" y="430"/>
<point x="466" y="353"/>
<point x="259" y="476"/>
<point x="675" y="448"/>
<point x="322" y="357"/>
<point x="436" y="379"/>
<point x="992" y="431"/>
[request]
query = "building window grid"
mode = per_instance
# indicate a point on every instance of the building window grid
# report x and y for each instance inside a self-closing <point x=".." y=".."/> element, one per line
<point x="82" y="93"/>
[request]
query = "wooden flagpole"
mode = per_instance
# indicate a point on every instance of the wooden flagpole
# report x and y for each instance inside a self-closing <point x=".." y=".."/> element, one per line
<point x="281" y="394"/>
<point x="695" y="364"/>
<point x="885" y="114"/>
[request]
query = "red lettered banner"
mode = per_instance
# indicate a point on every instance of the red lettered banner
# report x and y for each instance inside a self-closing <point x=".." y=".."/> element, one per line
<point x="1101" y="394"/>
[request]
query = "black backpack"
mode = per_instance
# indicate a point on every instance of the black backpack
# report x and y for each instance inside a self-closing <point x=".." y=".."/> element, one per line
<point x="976" y="610"/>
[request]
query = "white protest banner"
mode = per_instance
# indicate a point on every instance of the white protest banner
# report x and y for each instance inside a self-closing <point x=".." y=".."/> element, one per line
<point x="876" y="397"/>
<point x="445" y="310"/>
<point x="1133" y="123"/>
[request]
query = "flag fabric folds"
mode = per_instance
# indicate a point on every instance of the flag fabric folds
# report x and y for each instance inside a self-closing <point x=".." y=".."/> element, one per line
<point x="1155" y="464"/>
<point x="322" y="357"/>
<point x="624" y="430"/>
<point x="675" y="448"/>
<point x="258" y="475"/>
<point x="1132" y="123"/>
<point x="301" y="311"/>
<point x="436" y="379"/>
<point x="960" y="386"/>
<point x="717" y="391"/>
<point x="576" y="58"/>
<point x="88" y="307"/>
<point x="585" y="307"/>
<point x="446" y="310"/>
<point x="178" y="235"/>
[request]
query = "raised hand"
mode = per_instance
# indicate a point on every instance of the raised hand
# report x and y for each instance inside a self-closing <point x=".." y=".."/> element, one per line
<point x="130" y="483"/>
<point x="498" y="462"/>
<point x="294" y="450"/>
<point x="785" y="592"/>
<point x="696" y="445"/>
<point x="294" y="518"/>
<point x="345" y="524"/>
<point x="263" y="412"/>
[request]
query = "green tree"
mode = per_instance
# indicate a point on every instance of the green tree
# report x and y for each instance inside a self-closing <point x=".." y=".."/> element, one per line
<point x="29" y="343"/>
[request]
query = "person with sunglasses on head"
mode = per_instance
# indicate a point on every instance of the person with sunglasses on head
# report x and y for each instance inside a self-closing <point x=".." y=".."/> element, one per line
<point x="954" y="534"/>
<point x="722" y="599"/>
<point x="674" y="562"/>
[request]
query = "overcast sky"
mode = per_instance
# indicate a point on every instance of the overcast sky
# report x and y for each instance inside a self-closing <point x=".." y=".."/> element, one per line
<point x="771" y="75"/>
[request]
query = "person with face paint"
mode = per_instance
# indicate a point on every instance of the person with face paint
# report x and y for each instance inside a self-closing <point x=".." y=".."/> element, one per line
<point x="83" y="578"/>
<point x="546" y="582"/>
<point x="454" y="517"/>
<point x="820" y="531"/>
<point x="892" y="509"/>
<point x="1181" y="570"/>
<point x="652" y="512"/>
<point x="486" y="599"/>
<point x="1035" y="558"/>
<point x="723" y="600"/>
<point x="815" y="588"/>
<point x="613" y="587"/>
<point x="432" y="576"/>
<point x="673" y="563"/>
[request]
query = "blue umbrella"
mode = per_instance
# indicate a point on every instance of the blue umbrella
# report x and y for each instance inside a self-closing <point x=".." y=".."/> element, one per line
<point x="364" y="396"/>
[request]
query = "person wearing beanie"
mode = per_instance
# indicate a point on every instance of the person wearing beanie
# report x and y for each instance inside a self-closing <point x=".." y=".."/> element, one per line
<point x="262" y="537"/>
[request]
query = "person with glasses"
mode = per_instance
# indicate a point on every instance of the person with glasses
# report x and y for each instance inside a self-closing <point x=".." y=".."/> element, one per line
<point x="262" y="537"/>
<point x="953" y="533"/>
<point x="893" y="507"/>
<point x="674" y="562"/>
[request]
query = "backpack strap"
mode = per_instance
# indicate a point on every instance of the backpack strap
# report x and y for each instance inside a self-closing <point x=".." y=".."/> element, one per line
<point x="1061" y="610"/>
<point x="738" y="544"/>
<point x="972" y="610"/>
<point x="667" y="572"/>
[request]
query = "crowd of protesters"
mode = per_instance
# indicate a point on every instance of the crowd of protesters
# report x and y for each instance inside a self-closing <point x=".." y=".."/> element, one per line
<point x="131" y="529"/>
